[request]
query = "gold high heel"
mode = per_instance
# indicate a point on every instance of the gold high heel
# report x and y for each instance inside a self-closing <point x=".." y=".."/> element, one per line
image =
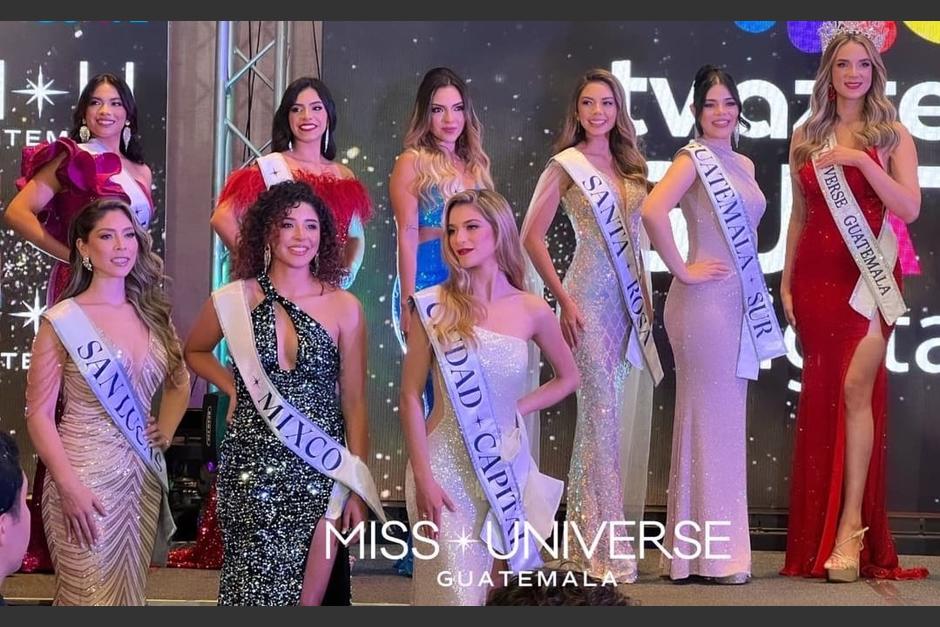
<point x="842" y="569"/>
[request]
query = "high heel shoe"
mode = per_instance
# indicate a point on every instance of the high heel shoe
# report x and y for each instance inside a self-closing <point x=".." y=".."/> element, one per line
<point x="842" y="569"/>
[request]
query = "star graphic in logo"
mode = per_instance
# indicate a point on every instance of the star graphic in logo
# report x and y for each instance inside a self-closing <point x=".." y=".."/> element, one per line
<point x="39" y="91"/>
<point x="465" y="540"/>
<point x="32" y="313"/>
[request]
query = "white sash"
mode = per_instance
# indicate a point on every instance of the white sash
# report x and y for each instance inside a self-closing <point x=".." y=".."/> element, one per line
<point x="503" y="465"/>
<point x="641" y="350"/>
<point x="876" y="288"/>
<point x="274" y="169"/>
<point x="138" y="199"/>
<point x="295" y="430"/>
<point x="105" y="375"/>
<point x="761" y="337"/>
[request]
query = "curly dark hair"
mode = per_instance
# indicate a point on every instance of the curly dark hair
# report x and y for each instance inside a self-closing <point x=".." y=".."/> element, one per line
<point x="557" y="592"/>
<point x="260" y="223"/>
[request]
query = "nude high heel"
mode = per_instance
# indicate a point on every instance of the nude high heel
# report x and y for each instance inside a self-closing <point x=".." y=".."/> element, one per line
<point x="842" y="569"/>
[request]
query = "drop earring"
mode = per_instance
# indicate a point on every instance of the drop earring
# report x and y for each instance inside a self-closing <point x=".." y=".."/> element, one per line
<point x="267" y="258"/>
<point x="83" y="133"/>
<point x="126" y="134"/>
<point x="86" y="261"/>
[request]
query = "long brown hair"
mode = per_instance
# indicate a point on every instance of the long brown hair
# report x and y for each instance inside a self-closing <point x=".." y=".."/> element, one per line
<point x="144" y="287"/>
<point x="433" y="166"/>
<point x="878" y="113"/>
<point x="628" y="159"/>
<point x="459" y="310"/>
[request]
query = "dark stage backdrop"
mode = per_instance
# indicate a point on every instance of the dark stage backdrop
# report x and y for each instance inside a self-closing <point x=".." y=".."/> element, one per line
<point x="521" y="74"/>
<point x="43" y="68"/>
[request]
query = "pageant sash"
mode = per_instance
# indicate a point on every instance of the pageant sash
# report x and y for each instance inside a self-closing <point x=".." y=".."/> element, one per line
<point x="499" y="477"/>
<point x="274" y="169"/>
<point x="641" y="350"/>
<point x="139" y="202"/>
<point x="105" y="375"/>
<point x="875" y="258"/>
<point x="295" y="430"/>
<point x="762" y="338"/>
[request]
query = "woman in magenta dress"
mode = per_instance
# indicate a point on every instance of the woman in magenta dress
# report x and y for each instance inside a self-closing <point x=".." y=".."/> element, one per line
<point x="100" y="158"/>
<point x="838" y="524"/>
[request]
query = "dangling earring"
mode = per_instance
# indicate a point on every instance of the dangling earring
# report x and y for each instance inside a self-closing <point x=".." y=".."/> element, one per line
<point x="316" y="264"/>
<point x="737" y="134"/>
<point x="86" y="261"/>
<point x="326" y="140"/>
<point x="831" y="93"/>
<point x="267" y="257"/>
<point x="126" y="134"/>
<point x="83" y="133"/>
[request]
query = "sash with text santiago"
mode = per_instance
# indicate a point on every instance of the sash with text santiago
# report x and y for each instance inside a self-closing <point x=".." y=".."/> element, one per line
<point x="295" y="430"/>
<point x="106" y="377"/>
<point x="763" y="330"/>
<point x="875" y="258"/>
<point x="623" y="257"/>
<point x="466" y="385"/>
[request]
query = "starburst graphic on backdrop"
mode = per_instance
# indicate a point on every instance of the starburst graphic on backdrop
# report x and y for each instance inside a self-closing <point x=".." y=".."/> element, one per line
<point x="40" y="91"/>
<point x="32" y="314"/>
<point x="464" y="540"/>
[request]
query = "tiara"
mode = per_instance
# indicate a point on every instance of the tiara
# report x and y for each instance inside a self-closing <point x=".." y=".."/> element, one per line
<point x="874" y="31"/>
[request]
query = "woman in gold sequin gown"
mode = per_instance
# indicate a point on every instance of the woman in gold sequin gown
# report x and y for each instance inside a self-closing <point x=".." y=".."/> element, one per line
<point x="103" y="510"/>
<point x="607" y="476"/>
<point x="486" y="277"/>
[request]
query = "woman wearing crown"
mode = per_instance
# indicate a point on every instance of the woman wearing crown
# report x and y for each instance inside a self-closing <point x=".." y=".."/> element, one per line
<point x="852" y="163"/>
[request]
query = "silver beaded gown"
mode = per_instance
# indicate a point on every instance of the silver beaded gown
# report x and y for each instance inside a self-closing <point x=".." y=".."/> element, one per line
<point x="269" y="499"/>
<point x="454" y="576"/>
<point x="607" y="473"/>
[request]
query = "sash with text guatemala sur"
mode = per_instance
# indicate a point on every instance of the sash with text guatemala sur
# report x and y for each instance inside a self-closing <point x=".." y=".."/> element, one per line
<point x="762" y="338"/>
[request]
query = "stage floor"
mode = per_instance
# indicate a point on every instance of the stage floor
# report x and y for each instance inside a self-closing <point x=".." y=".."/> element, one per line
<point x="375" y="583"/>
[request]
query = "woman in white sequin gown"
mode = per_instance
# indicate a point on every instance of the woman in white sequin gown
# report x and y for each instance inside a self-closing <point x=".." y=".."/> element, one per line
<point x="708" y="473"/>
<point x="607" y="476"/>
<point x="486" y="280"/>
<point x="103" y="510"/>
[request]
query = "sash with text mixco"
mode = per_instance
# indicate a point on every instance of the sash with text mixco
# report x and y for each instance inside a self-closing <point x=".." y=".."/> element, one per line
<point x="106" y="377"/>
<point x="875" y="258"/>
<point x="464" y="379"/>
<point x="603" y="200"/>
<point x="295" y="430"/>
<point x="763" y="338"/>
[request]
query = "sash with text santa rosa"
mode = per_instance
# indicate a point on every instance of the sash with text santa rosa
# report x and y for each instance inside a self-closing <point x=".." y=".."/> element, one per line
<point x="875" y="258"/>
<point x="499" y="478"/>
<point x="761" y="337"/>
<point x="293" y="428"/>
<point x="106" y="377"/>
<point x="641" y="349"/>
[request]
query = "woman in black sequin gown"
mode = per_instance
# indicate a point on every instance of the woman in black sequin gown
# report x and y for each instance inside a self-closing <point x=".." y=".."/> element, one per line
<point x="310" y="337"/>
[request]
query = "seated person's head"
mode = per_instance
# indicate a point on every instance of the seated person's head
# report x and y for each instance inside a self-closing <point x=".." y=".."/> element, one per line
<point x="14" y="515"/>
<point x="553" y="587"/>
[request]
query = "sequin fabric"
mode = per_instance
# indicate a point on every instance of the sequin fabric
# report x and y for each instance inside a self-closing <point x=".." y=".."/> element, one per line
<point x="595" y="481"/>
<point x="269" y="500"/>
<point x="504" y="360"/>
<point x="708" y="471"/>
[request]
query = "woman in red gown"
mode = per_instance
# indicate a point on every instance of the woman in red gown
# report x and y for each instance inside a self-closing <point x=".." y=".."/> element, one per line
<point x="303" y="146"/>
<point x="100" y="158"/>
<point x="838" y="524"/>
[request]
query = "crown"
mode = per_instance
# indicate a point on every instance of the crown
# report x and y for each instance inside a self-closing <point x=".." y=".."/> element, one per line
<point x="874" y="31"/>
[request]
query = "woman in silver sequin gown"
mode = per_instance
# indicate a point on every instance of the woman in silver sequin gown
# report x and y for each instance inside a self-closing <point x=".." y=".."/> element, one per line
<point x="271" y="503"/>
<point x="441" y="484"/>
<point x="607" y="476"/>
<point x="708" y="473"/>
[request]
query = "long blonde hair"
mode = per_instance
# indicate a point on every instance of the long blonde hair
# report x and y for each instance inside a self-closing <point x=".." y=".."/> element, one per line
<point x="459" y="310"/>
<point x="144" y="286"/>
<point x="878" y="113"/>
<point x="628" y="159"/>
<point x="433" y="167"/>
